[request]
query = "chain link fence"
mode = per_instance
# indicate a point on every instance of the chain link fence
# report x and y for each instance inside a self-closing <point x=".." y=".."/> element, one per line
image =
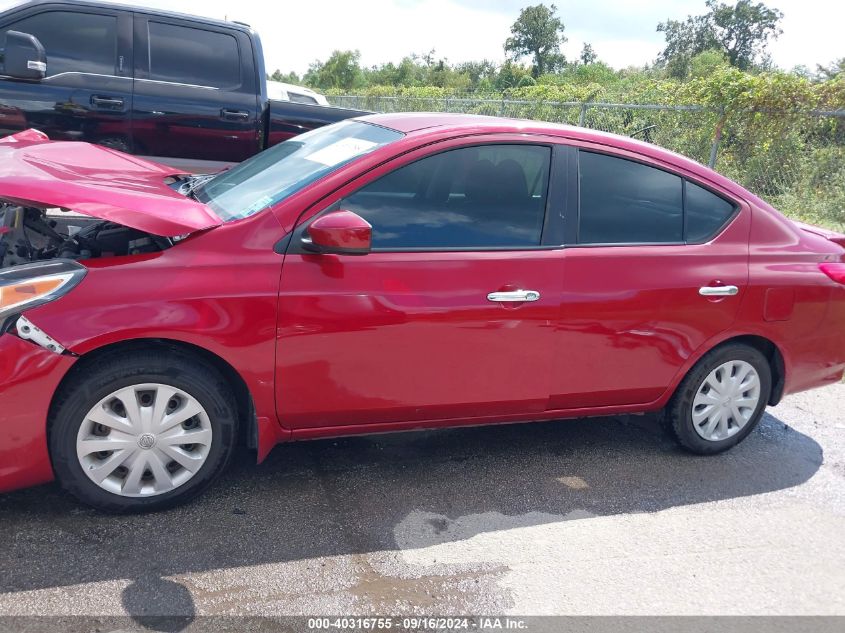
<point x="794" y="160"/>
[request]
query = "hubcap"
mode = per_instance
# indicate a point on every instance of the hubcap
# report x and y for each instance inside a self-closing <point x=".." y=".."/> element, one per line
<point x="726" y="400"/>
<point x="144" y="440"/>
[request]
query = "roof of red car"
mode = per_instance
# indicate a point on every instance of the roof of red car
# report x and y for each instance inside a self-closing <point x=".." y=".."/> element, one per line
<point x="411" y="122"/>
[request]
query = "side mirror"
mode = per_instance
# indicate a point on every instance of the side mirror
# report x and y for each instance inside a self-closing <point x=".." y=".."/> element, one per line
<point x="24" y="56"/>
<point x="339" y="232"/>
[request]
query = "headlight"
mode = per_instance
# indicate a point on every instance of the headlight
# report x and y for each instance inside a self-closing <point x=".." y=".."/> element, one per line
<point x="30" y="285"/>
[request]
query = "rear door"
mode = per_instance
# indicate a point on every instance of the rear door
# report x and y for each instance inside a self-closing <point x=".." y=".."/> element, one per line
<point x="657" y="265"/>
<point x="87" y="92"/>
<point x="196" y="92"/>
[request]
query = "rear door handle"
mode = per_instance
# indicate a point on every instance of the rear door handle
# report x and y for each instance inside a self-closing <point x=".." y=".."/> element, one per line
<point x="514" y="296"/>
<point x="234" y="115"/>
<point x="718" y="291"/>
<point x="107" y="102"/>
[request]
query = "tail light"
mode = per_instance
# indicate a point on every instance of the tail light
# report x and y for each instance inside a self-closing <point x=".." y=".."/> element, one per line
<point x="834" y="271"/>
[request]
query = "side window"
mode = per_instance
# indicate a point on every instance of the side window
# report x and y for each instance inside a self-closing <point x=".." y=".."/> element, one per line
<point x="705" y="213"/>
<point x="473" y="197"/>
<point x="296" y="97"/>
<point x="74" y="42"/>
<point x="181" y="54"/>
<point x="623" y="202"/>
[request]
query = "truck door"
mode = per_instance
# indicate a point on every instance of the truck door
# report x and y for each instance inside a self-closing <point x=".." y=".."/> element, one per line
<point x="86" y="94"/>
<point x="196" y="92"/>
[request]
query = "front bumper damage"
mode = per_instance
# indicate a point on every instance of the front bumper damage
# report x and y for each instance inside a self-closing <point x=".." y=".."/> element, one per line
<point x="29" y="376"/>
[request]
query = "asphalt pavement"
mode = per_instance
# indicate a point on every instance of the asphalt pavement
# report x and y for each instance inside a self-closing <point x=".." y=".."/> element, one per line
<point x="591" y="516"/>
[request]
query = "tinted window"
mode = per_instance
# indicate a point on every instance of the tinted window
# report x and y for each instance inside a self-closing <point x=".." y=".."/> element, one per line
<point x="193" y="56"/>
<point x="491" y="195"/>
<point x="623" y="201"/>
<point x="295" y="97"/>
<point x="74" y="42"/>
<point x="706" y="213"/>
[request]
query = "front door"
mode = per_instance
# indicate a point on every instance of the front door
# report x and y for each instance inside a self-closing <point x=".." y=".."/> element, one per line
<point x="86" y="94"/>
<point x="451" y="315"/>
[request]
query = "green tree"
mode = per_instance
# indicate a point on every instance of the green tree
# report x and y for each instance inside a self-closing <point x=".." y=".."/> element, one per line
<point x="538" y="33"/>
<point x="834" y="70"/>
<point x="741" y="31"/>
<point x="684" y="40"/>
<point x="588" y="55"/>
<point x="509" y="75"/>
<point x="480" y="74"/>
<point x="744" y="30"/>
<point x="341" y="70"/>
<point x="706" y="63"/>
<point x="290" y="78"/>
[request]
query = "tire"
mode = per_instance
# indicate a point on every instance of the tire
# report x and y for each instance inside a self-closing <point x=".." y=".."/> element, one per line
<point x="684" y="414"/>
<point x="168" y="381"/>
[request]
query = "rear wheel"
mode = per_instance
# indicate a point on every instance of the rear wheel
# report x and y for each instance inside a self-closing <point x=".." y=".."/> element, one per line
<point x="143" y="432"/>
<point x="721" y="399"/>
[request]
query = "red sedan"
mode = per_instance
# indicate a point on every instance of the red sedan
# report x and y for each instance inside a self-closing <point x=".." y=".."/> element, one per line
<point x="387" y="273"/>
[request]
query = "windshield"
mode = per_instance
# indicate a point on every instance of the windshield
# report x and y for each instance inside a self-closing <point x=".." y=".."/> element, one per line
<point x="274" y="174"/>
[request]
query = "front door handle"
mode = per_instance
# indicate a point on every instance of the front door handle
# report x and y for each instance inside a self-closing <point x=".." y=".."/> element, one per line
<point x="514" y="296"/>
<point x="107" y="102"/>
<point x="718" y="291"/>
<point x="234" y="115"/>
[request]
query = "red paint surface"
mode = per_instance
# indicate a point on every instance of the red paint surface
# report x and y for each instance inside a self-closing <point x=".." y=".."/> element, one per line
<point x="27" y="374"/>
<point x="341" y="230"/>
<point x="338" y="344"/>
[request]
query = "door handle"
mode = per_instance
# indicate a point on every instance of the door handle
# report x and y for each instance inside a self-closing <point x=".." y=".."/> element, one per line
<point x="107" y="102"/>
<point x="234" y="115"/>
<point x="514" y="296"/>
<point x="718" y="291"/>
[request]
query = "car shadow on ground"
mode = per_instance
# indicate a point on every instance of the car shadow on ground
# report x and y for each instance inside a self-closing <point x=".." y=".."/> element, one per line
<point x="348" y="496"/>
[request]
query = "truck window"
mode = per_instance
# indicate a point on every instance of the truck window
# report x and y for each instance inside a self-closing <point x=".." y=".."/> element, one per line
<point x="185" y="55"/>
<point x="296" y="97"/>
<point x="74" y="42"/>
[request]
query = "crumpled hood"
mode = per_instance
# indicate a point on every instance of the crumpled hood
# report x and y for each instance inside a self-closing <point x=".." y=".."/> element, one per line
<point x="99" y="182"/>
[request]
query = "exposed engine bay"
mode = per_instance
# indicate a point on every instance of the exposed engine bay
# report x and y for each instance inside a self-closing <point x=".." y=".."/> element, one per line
<point x="29" y="234"/>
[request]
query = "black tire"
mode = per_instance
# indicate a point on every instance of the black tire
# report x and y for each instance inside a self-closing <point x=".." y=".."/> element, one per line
<point x="93" y="381"/>
<point x="678" y="414"/>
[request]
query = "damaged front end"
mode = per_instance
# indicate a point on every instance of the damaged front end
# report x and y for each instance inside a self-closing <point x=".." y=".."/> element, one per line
<point x="65" y="203"/>
<point x="31" y="234"/>
<point x="30" y="285"/>
<point x="72" y="200"/>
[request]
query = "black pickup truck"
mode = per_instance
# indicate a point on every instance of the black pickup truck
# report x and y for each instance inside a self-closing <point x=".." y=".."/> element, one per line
<point x="184" y="90"/>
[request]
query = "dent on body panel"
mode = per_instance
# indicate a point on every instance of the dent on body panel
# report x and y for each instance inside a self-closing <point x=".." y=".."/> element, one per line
<point x="203" y="292"/>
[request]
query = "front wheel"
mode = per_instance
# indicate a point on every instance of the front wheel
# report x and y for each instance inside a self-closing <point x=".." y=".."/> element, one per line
<point x="142" y="432"/>
<point x="721" y="399"/>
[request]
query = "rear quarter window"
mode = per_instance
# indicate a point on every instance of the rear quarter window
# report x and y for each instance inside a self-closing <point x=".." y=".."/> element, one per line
<point x="705" y="212"/>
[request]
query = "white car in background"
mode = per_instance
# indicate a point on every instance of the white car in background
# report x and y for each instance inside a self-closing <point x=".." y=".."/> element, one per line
<point x="295" y="94"/>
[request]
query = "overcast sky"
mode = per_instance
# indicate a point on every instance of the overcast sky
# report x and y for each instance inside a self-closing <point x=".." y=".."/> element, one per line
<point x="622" y="32"/>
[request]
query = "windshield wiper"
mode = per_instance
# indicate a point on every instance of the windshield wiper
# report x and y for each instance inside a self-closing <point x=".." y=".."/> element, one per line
<point x="193" y="184"/>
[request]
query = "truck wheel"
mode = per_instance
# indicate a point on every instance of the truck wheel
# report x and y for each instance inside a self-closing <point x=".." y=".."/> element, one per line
<point x="721" y="399"/>
<point x="141" y="432"/>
